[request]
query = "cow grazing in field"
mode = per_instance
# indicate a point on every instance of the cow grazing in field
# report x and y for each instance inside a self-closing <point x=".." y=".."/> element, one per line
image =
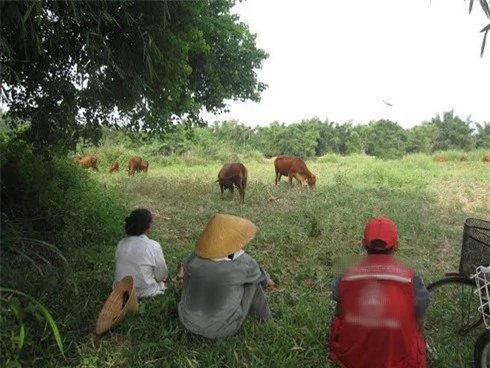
<point x="88" y="161"/>
<point x="233" y="175"/>
<point x="440" y="159"/>
<point x="134" y="165"/>
<point x="114" y="166"/>
<point x="144" y="166"/>
<point x="463" y="158"/>
<point x="137" y="164"/>
<point x="486" y="159"/>
<point x="293" y="167"/>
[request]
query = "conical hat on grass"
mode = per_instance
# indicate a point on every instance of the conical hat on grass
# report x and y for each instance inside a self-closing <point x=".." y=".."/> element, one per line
<point x="121" y="300"/>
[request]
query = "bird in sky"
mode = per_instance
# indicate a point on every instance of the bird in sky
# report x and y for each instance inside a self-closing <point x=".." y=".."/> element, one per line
<point x="386" y="103"/>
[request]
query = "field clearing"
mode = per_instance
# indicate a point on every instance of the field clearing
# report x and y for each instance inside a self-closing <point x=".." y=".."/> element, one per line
<point x="304" y="239"/>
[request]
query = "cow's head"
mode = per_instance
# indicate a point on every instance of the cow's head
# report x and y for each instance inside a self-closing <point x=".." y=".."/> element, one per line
<point x="311" y="180"/>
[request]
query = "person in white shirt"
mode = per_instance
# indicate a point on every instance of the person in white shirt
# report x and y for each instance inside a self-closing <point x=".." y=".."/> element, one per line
<point x="141" y="257"/>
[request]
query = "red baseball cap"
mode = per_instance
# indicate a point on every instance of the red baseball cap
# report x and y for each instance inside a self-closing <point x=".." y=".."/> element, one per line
<point x="380" y="228"/>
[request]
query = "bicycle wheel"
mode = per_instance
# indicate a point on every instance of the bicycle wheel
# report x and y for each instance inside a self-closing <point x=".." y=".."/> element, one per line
<point x="449" y="326"/>
<point x="481" y="353"/>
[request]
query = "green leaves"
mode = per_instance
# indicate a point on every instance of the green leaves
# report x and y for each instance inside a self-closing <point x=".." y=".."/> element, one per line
<point x="39" y="306"/>
<point x="483" y="135"/>
<point x="486" y="9"/>
<point x="33" y="3"/>
<point x="69" y="66"/>
<point x="452" y="133"/>
<point x="485" y="30"/>
<point x="17" y="312"/>
<point x="386" y="139"/>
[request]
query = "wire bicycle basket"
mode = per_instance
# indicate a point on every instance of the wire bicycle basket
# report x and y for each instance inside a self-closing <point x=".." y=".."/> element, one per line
<point x="482" y="279"/>
<point x="475" y="250"/>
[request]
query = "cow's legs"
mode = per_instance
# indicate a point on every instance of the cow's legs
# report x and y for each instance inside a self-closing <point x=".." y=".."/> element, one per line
<point x="221" y="186"/>
<point x="241" y="190"/>
<point x="299" y="178"/>
<point x="278" y="177"/>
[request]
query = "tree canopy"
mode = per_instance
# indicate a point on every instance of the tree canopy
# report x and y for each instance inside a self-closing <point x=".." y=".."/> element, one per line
<point x="381" y="138"/>
<point x="70" y="67"/>
<point x="452" y="132"/>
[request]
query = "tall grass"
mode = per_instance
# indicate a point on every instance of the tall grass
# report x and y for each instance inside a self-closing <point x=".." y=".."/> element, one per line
<point x="304" y="239"/>
<point x="198" y="155"/>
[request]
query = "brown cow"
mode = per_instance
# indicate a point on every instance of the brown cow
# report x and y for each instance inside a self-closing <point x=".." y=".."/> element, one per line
<point x="114" y="166"/>
<point x="440" y="159"/>
<point x="88" y="161"/>
<point x="486" y="159"/>
<point x="463" y="158"/>
<point x="293" y="167"/>
<point x="233" y="175"/>
<point x="134" y="165"/>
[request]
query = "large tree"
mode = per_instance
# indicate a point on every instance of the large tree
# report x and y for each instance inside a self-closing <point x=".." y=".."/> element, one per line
<point x="70" y="67"/>
<point x="385" y="139"/>
<point x="232" y="131"/>
<point x="483" y="135"/>
<point x="421" y="137"/>
<point x="452" y="132"/>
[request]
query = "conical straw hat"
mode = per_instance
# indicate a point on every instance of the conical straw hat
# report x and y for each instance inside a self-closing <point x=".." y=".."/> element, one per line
<point x="224" y="235"/>
<point x="121" y="300"/>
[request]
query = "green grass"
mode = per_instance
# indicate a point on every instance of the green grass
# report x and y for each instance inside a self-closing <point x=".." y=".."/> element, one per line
<point x="304" y="239"/>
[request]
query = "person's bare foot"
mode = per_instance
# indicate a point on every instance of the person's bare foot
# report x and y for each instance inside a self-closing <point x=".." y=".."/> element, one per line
<point x="180" y="272"/>
<point x="270" y="284"/>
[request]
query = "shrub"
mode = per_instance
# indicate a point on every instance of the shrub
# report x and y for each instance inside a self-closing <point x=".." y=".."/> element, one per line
<point x="49" y="207"/>
<point x="56" y="199"/>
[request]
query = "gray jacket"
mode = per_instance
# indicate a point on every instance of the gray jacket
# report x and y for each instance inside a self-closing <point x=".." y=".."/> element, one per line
<point x="211" y="302"/>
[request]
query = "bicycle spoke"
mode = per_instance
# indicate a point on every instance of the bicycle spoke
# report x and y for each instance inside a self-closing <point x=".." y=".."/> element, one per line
<point x="450" y="323"/>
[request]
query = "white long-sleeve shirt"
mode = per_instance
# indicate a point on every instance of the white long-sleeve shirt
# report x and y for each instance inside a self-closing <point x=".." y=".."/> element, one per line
<point x="142" y="258"/>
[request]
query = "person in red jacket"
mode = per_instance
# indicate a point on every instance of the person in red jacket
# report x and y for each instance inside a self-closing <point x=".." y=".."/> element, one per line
<point x="380" y="303"/>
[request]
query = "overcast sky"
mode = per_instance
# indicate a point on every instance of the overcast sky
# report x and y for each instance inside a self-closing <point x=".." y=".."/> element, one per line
<point x="339" y="59"/>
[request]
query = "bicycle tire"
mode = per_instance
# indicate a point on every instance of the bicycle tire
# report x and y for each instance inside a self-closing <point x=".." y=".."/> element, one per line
<point x="481" y="353"/>
<point x="452" y="314"/>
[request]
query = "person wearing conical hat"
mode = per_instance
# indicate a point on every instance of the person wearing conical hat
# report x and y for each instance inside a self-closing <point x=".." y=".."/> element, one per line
<point x="222" y="283"/>
<point x="141" y="257"/>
